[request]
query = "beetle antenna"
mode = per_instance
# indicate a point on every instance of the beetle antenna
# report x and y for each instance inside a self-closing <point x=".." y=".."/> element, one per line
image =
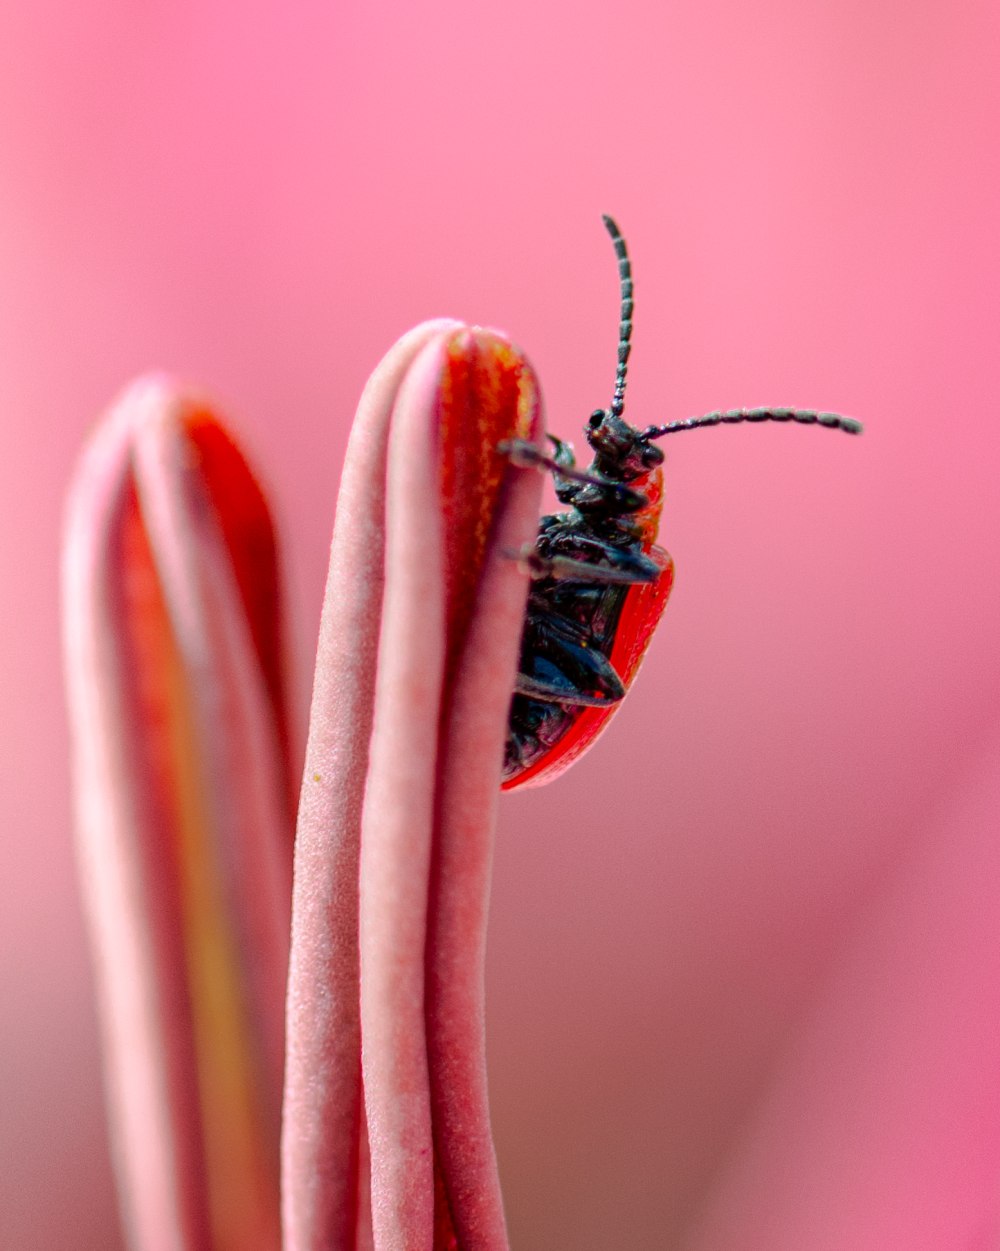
<point x="625" y="316"/>
<point x="805" y="416"/>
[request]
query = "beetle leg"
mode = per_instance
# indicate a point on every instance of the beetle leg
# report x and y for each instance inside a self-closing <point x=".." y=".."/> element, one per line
<point x="563" y="553"/>
<point x="561" y="692"/>
<point x="562" y="452"/>
<point x="565" y="671"/>
<point x="565" y="568"/>
<point x="513" y="759"/>
<point x="535" y="726"/>
<point x="569" y="479"/>
<point x="560" y="538"/>
<point x="566" y="488"/>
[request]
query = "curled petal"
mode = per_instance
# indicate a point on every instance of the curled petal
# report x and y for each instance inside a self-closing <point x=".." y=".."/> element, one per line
<point x="418" y="651"/>
<point x="183" y="812"/>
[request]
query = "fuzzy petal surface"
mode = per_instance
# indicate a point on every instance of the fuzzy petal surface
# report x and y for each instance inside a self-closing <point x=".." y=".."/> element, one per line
<point x="181" y="777"/>
<point x="386" y="1138"/>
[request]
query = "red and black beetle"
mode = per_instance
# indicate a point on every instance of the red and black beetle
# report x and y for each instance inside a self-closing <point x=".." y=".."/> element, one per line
<point x="599" y="582"/>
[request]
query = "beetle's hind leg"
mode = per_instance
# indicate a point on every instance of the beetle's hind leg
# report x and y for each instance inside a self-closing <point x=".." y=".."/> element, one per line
<point x="563" y="662"/>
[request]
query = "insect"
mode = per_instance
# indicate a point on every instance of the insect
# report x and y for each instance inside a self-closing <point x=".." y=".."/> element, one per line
<point x="599" y="581"/>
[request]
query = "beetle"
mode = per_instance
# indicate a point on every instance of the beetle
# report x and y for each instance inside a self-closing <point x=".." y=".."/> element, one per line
<point x="599" y="582"/>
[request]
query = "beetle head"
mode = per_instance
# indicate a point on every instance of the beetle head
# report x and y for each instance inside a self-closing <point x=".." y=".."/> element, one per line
<point x="620" y="451"/>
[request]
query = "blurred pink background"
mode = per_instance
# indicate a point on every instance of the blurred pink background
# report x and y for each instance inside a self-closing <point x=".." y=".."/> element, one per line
<point x="745" y="961"/>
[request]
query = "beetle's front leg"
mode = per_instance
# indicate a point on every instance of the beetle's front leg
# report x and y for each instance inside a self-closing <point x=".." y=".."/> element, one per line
<point x="529" y="455"/>
<point x="567" y="478"/>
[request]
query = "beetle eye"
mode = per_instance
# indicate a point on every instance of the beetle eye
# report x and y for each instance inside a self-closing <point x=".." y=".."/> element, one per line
<point x="652" y="455"/>
<point x="596" y="417"/>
